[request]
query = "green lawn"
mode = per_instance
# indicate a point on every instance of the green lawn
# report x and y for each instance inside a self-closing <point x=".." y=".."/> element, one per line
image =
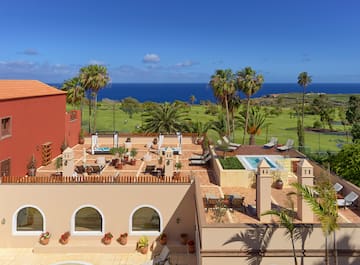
<point x="283" y="127"/>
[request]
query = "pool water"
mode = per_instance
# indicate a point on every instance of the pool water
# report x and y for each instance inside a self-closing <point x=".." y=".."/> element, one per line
<point x="252" y="162"/>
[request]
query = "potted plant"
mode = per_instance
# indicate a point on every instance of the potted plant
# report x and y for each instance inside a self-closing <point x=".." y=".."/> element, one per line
<point x="123" y="239"/>
<point x="191" y="246"/>
<point x="178" y="166"/>
<point x="81" y="137"/>
<point x="184" y="238"/>
<point x="163" y="239"/>
<point x="64" y="238"/>
<point x="107" y="238"/>
<point x="133" y="153"/>
<point x="31" y="166"/>
<point x="160" y="160"/>
<point x="45" y="238"/>
<point x="279" y="184"/>
<point x="63" y="146"/>
<point x="143" y="245"/>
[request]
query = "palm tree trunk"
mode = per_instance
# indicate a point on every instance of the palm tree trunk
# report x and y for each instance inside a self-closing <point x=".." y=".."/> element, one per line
<point x="302" y="120"/>
<point x="227" y="116"/>
<point x="246" y="119"/>
<point x="335" y="250"/>
<point x="89" y="115"/>
<point x="294" y="251"/>
<point x="94" y="112"/>
<point x="326" y="251"/>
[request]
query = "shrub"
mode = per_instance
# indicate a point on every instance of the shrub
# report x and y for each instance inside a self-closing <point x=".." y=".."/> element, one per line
<point x="231" y="163"/>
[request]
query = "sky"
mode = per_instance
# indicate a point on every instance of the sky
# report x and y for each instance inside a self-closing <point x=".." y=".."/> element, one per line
<point x="180" y="41"/>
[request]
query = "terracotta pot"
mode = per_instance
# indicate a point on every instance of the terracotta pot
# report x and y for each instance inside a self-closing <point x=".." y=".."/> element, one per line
<point x="106" y="241"/>
<point x="191" y="246"/>
<point x="123" y="239"/>
<point x="143" y="250"/>
<point x="81" y="140"/>
<point x="64" y="241"/>
<point x="44" y="241"/>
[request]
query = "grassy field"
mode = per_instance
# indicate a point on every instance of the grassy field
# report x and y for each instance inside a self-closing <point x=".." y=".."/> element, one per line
<point x="111" y="118"/>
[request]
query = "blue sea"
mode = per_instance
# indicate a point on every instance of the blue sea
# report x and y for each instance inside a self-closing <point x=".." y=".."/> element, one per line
<point x="181" y="91"/>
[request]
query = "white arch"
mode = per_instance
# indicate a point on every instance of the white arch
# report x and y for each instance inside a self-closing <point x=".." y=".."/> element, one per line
<point x="87" y="233"/>
<point x="149" y="233"/>
<point x="27" y="233"/>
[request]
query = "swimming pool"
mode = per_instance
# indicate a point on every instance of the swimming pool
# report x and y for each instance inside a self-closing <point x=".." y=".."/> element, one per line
<point x="251" y="162"/>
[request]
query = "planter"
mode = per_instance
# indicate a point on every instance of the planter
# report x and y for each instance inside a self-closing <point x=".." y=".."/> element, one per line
<point x="133" y="162"/>
<point x="44" y="241"/>
<point x="143" y="250"/>
<point x="64" y="241"/>
<point x="106" y="241"/>
<point x="81" y="140"/>
<point x="191" y="246"/>
<point x="119" y="165"/>
<point x="32" y="172"/>
<point x="123" y="239"/>
<point x="279" y="184"/>
<point x="184" y="238"/>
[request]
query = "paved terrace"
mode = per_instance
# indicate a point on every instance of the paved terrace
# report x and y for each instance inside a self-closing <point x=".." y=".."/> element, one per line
<point x="203" y="174"/>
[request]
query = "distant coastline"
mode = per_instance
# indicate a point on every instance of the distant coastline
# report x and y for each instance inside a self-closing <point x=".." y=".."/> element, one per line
<point x="182" y="91"/>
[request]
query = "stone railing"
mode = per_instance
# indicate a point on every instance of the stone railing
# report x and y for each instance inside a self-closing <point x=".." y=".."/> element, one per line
<point x="94" y="180"/>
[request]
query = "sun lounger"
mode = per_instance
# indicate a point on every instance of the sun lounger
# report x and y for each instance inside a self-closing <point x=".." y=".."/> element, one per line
<point x="289" y="144"/>
<point x="338" y="187"/>
<point x="149" y="169"/>
<point x="197" y="157"/>
<point x="222" y="146"/>
<point x="200" y="161"/>
<point x="272" y="143"/>
<point x="348" y="200"/>
<point x="228" y="142"/>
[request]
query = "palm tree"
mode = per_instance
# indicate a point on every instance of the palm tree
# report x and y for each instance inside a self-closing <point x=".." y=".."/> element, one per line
<point x="223" y="85"/>
<point x="192" y="99"/>
<point x="165" y="118"/>
<point x="93" y="78"/>
<point x="234" y="105"/>
<point x="256" y="120"/>
<point x="287" y="220"/>
<point x="322" y="200"/>
<point x="303" y="80"/>
<point x="249" y="83"/>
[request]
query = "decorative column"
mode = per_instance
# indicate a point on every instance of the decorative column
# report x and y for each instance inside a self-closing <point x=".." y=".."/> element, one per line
<point x="169" y="162"/>
<point x="68" y="162"/>
<point x="263" y="191"/>
<point x="305" y="172"/>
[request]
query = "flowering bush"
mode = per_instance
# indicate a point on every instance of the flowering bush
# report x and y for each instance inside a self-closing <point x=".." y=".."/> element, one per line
<point x="108" y="235"/>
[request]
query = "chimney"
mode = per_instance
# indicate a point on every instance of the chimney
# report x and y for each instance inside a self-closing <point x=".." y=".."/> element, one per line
<point x="305" y="174"/>
<point x="263" y="191"/>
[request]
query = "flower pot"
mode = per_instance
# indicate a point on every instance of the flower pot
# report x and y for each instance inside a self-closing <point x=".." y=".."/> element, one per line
<point x="106" y="240"/>
<point x="279" y="184"/>
<point x="64" y="241"/>
<point x="123" y="239"/>
<point x="143" y="250"/>
<point x="191" y="246"/>
<point x="81" y="140"/>
<point x="133" y="162"/>
<point x="44" y="241"/>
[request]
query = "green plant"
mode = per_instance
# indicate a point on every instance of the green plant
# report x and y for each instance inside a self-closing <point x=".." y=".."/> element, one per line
<point x="231" y="163"/>
<point x="45" y="235"/>
<point x="32" y="162"/>
<point x="178" y="165"/>
<point x="143" y="242"/>
<point x="58" y="162"/>
<point x="63" y="146"/>
<point x="108" y="235"/>
<point x="133" y="152"/>
<point x="118" y="150"/>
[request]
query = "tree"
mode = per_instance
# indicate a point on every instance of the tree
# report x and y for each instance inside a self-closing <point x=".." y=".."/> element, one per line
<point x="323" y="205"/>
<point x="353" y="111"/>
<point x="355" y="132"/>
<point x="192" y="99"/>
<point x="303" y="80"/>
<point x="323" y="107"/>
<point x="249" y="83"/>
<point x="75" y="93"/>
<point x="286" y="218"/>
<point x="93" y="78"/>
<point x="165" y="118"/>
<point x="130" y="106"/>
<point x="223" y="85"/>
<point x="256" y="120"/>
<point x="346" y="163"/>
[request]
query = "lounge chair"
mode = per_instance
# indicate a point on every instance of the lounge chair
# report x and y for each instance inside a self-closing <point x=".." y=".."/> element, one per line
<point x="338" y="187"/>
<point x="197" y="157"/>
<point x="161" y="259"/>
<point x="272" y="143"/>
<point x="348" y="200"/>
<point x="222" y="146"/>
<point x="228" y="142"/>
<point x="289" y="144"/>
<point x="149" y="169"/>
<point x="200" y="162"/>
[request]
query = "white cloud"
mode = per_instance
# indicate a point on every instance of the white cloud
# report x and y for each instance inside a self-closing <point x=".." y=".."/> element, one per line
<point x="187" y="63"/>
<point x="29" y="51"/>
<point x="151" y="58"/>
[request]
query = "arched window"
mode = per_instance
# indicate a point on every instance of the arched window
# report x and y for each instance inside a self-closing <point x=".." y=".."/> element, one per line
<point x="88" y="221"/>
<point x="28" y="220"/>
<point x="146" y="220"/>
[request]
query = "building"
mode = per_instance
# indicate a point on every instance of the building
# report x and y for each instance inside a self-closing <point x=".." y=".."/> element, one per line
<point x="34" y="121"/>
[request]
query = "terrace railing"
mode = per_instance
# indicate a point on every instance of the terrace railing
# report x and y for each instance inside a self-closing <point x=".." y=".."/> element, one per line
<point x="94" y="180"/>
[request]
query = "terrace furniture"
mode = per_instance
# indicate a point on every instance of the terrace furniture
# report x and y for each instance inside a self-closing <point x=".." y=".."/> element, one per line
<point x="200" y="162"/>
<point x="272" y="143"/>
<point x="228" y="142"/>
<point x="289" y="144"/>
<point x="95" y="169"/>
<point x="338" y="187"/>
<point x="149" y="169"/>
<point x="200" y="157"/>
<point x="225" y="147"/>
<point x="80" y="169"/>
<point x="210" y="201"/>
<point x="348" y="200"/>
<point x="237" y="202"/>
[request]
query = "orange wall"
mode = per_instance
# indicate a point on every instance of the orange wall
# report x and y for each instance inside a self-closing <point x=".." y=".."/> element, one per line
<point x="72" y="127"/>
<point x="35" y="121"/>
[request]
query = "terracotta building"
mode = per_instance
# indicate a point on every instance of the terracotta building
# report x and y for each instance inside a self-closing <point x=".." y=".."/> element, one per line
<point x="33" y="122"/>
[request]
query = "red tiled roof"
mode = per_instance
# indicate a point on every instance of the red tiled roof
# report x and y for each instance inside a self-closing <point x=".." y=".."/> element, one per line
<point x="12" y="89"/>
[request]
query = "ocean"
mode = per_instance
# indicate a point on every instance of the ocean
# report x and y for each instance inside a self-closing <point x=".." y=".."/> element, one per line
<point x="181" y="91"/>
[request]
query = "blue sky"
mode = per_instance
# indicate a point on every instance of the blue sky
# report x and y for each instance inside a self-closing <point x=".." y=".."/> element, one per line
<point x="180" y="40"/>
